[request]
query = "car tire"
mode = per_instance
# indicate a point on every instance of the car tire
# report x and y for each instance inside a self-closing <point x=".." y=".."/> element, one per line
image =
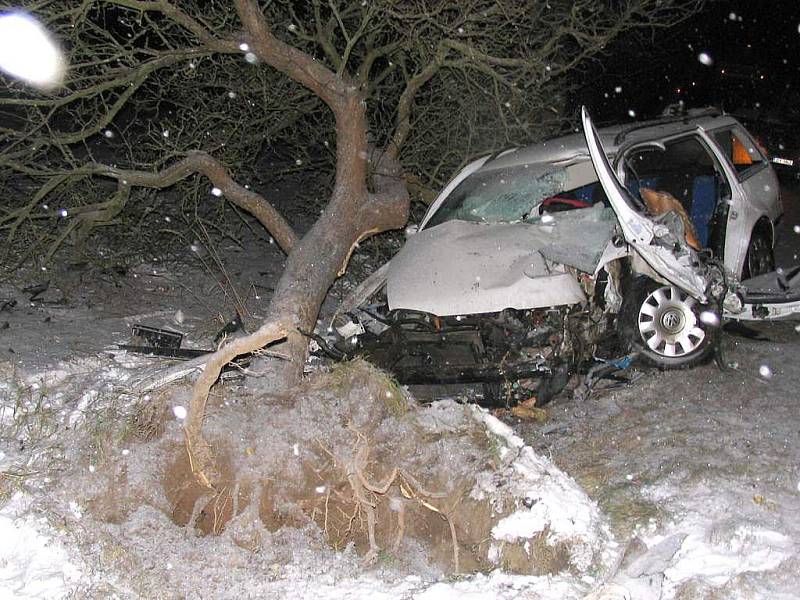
<point x="760" y="257"/>
<point x="662" y="324"/>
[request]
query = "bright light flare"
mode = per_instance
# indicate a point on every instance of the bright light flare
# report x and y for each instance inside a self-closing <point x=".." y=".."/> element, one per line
<point x="28" y="52"/>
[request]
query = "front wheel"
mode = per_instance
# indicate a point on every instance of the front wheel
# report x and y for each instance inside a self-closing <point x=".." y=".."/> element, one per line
<point x="662" y="323"/>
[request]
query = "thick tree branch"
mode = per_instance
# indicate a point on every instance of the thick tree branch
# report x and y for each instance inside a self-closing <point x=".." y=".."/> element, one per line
<point x="200" y="162"/>
<point x="172" y="12"/>
<point x="287" y="59"/>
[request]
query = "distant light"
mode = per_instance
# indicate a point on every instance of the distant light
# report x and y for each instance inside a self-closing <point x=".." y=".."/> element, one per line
<point x="244" y="47"/>
<point x="631" y="113"/>
<point x="28" y="51"/>
<point x="215" y="191"/>
<point x="765" y="371"/>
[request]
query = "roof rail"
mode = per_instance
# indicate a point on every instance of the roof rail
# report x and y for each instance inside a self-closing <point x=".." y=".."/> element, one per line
<point x="684" y="118"/>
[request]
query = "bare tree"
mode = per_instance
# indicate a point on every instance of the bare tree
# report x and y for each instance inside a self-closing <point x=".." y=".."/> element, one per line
<point x="404" y="90"/>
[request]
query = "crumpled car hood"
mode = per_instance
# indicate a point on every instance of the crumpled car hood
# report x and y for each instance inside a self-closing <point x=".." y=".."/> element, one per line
<point x="460" y="268"/>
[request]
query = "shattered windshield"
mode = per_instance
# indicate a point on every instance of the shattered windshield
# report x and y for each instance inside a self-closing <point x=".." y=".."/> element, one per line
<point x="500" y="195"/>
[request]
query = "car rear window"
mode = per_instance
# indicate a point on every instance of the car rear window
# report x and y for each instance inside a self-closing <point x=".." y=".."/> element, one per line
<point x="742" y="153"/>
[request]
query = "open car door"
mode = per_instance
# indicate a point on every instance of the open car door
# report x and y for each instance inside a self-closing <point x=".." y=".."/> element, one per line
<point x="660" y="247"/>
<point x="774" y="295"/>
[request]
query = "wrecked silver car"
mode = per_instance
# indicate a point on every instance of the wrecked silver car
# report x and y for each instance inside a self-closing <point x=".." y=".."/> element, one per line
<point x="529" y="260"/>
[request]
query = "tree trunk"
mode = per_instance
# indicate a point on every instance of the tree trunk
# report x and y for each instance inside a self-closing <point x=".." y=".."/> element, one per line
<point x="312" y="265"/>
<point x="352" y="213"/>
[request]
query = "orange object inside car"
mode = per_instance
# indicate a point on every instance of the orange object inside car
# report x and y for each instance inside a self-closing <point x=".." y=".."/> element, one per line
<point x="740" y="154"/>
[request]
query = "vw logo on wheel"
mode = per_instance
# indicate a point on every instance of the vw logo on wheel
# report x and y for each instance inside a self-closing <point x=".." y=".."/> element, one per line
<point x="671" y="320"/>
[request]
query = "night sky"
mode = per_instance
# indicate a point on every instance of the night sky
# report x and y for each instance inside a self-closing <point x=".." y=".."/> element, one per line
<point x="743" y="57"/>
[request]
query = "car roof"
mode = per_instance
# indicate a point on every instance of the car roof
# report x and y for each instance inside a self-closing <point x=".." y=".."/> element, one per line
<point x="569" y="147"/>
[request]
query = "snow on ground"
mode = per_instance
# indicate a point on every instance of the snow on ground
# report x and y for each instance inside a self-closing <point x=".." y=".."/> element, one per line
<point x="50" y="546"/>
<point x="65" y="406"/>
<point x="698" y="472"/>
<point x="33" y="560"/>
<point x="704" y="460"/>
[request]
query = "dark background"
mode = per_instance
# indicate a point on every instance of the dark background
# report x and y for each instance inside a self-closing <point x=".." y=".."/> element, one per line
<point x="754" y="72"/>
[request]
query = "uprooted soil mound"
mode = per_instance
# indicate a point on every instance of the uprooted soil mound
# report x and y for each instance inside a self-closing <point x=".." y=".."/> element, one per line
<point x="351" y="457"/>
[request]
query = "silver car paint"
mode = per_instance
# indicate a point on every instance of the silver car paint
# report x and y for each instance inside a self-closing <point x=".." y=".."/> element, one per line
<point x="471" y="270"/>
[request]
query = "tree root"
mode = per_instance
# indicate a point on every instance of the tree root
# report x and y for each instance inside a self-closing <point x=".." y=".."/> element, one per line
<point x="199" y="504"/>
<point x="201" y="459"/>
<point x="366" y="495"/>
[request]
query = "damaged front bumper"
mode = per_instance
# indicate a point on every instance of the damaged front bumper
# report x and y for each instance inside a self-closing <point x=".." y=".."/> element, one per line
<point x="515" y="354"/>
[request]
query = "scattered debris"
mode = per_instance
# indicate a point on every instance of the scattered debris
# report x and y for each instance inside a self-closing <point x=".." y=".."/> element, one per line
<point x="36" y="290"/>
<point x="607" y="370"/>
<point x="231" y="327"/>
<point x="160" y="338"/>
<point x="166" y="343"/>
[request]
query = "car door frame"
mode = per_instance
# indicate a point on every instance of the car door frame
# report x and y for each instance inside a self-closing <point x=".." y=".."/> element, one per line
<point x="639" y="230"/>
<point x="743" y="214"/>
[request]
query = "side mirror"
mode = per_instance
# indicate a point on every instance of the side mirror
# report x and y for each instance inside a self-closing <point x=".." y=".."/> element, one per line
<point x="411" y="229"/>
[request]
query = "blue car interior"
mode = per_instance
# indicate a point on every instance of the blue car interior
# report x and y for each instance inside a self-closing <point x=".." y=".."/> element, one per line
<point x="699" y="199"/>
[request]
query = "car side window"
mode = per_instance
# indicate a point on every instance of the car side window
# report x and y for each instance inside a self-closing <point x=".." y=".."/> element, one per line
<point x="741" y="152"/>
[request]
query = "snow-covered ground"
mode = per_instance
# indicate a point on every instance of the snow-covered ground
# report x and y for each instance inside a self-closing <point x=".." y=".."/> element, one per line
<point x="692" y="477"/>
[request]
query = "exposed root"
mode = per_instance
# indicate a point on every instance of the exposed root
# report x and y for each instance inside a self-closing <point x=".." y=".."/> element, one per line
<point x="199" y="504"/>
<point x="201" y="458"/>
<point x="367" y="494"/>
<point x="401" y="522"/>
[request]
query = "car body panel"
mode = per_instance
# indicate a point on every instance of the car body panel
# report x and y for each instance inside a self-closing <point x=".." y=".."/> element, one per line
<point x="752" y="198"/>
<point x="461" y="267"/>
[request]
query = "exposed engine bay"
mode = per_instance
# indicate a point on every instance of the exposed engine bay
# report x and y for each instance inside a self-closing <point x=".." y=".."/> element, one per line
<point x="515" y="354"/>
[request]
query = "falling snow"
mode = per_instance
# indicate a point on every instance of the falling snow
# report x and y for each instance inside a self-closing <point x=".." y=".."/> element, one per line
<point x="705" y="59"/>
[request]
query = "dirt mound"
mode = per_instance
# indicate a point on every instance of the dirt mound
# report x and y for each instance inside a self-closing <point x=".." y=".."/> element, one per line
<point x="349" y="454"/>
